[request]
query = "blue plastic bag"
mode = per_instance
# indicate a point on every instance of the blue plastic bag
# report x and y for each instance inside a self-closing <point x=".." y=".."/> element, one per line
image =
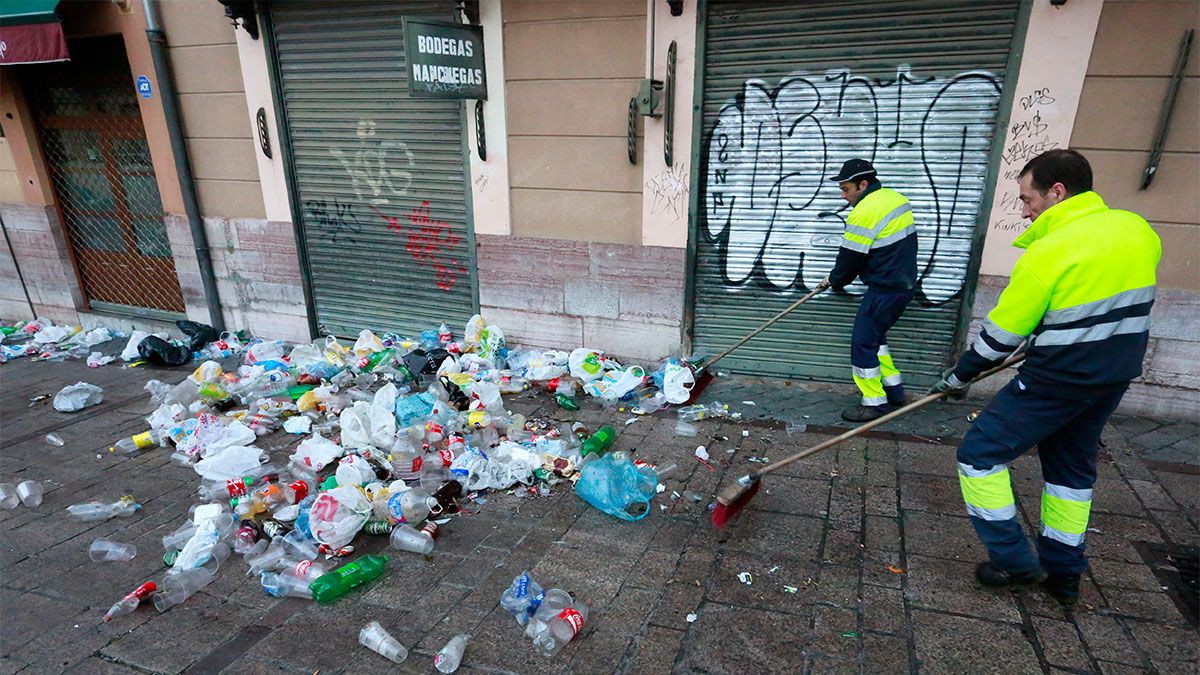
<point x="410" y="409"/>
<point x="617" y="486"/>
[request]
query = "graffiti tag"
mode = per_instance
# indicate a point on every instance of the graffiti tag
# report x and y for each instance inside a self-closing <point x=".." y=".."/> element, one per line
<point x="670" y="192"/>
<point x="335" y="220"/>
<point x="774" y="217"/>
<point x="431" y="244"/>
<point x="379" y="170"/>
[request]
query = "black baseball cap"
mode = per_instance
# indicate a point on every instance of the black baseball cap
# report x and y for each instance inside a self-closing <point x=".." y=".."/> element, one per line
<point x="854" y="169"/>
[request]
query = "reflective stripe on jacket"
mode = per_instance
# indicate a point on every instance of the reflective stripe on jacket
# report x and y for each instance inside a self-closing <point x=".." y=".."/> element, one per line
<point x="879" y="243"/>
<point x="1081" y="292"/>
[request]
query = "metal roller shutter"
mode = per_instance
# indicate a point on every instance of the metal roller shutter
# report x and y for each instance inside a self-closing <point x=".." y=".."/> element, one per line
<point x="790" y="91"/>
<point x="379" y="177"/>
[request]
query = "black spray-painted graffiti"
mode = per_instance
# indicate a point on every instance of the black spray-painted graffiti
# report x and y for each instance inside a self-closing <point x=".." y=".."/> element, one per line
<point x="774" y="216"/>
<point x="669" y="190"/>
<point x="333" y="220"/>
<point x="1029" y="135"/>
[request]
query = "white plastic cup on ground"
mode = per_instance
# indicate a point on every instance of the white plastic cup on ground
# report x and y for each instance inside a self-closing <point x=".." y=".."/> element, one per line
<point x="106" y="550"/>
<point x="30" y="493"/>
<point x="8" y="496"/>
<point x="374" y="637"/>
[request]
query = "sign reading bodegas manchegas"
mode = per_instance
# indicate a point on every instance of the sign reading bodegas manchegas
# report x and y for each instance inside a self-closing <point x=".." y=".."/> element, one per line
<point x="444" y="60"/>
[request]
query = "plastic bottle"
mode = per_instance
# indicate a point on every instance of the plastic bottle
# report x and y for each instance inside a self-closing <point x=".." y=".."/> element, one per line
<point x="553" y="601"/>
<point x="30" y="492"/>
<point x="445" y="337"/>
<point x="8" y="496"/>
<point x="378" y="640"/>
<point x="130" y="602"/>
<point x="248" y="535"/>
<point x="566" y="402"/>
<point x="94" y="511"/>
<point x="142" y="441"/>
<point x="561" y="629"/>
<point x="283" y="585"/>
<point x="348" y="577"/>
<point x="599" y="442"/>
<point x="179" y="585"/>
<point x="408" y="538"/>
<point x="450" y="657"/>
<point x="106" y="550"/>
<point x="522" y="597"/>
<point x="306" y="570"/>
<point x="216" y="490"/>
<point x="699" y="411"/>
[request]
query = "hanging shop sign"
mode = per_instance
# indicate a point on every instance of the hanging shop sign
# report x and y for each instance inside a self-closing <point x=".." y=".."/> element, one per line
<point x="444" y="60"/>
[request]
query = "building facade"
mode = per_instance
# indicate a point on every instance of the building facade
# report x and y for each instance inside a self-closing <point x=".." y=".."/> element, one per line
<point x="644" y="176"/>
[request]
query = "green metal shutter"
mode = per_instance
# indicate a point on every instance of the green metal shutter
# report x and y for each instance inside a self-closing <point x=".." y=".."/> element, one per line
<point x="790" y="91"/>
<point x="379" y="177"/>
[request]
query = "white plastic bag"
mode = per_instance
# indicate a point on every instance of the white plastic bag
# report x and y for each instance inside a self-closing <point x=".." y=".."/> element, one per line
<point x="229" y="463"/>
<point x="616" y="383"/>
<point x="354" y="470"/>
<point x="51" y="335"/>
<point x="208" y="371"/>
<point x="677" y="383"/>
<point x="368" y="426"/>
<point x="491" y="341"/>
<point x="505" y="465"/>
<point x="298" y="424"/>
<point x="368" y="343"/>
<point x="77" y="397"/>
<point x="586" y="364"/>
<point x="304" y="355"/>
<point x="386" y="397"/>
<point x="472" y="332"/>
<point x="165" y="416"/>
<point x="271" y="350"/>
<point x="130" y="353"/>
<point x="337" y="515"/>
<point x="91" y="338"/>
<point x="97" y="359"/>
<point x="316" y="453"/>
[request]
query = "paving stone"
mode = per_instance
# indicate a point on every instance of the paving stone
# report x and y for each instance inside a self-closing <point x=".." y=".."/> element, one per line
<point x="1107" y="640"/>
<point x="1060" y="643"/>
<point x="1166" y="643"/>
<point x="1154" y="605"/>
<point x="837" y="636"/>
<point x="955" y="644"/>
<point x="941" y="536"/>
<point x="655" y="651"/>
<point x="883" y="610"/>
<point x="951" y="586"/>
<point x="741" y="639"/>
<point x="882" y="654"/>
<point x="883" y="533"/>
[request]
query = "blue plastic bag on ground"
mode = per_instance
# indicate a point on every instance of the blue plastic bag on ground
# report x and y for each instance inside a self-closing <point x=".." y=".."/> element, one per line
<point x="617" y="486"/>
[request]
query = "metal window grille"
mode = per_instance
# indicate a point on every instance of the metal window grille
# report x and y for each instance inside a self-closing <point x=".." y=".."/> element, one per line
<point x="95" y="148"/>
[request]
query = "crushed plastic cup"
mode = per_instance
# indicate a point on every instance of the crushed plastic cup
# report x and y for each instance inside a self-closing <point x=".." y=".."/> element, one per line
<point x="30" y="493"/>
<point x="8" y="496"/>
<point x="374" y="637"/>
<point x="107" y="550"/>
<point x="408" y="538"/>
<point x="55" y="439"/>
<point x="683" y="428"/>
<point x="450" y="656"/>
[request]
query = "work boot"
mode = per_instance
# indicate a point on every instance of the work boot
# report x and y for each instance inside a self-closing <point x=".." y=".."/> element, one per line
<point x="993" y="577"/>
<point x="1062" y="587"/>
<point x="865" y="413"/>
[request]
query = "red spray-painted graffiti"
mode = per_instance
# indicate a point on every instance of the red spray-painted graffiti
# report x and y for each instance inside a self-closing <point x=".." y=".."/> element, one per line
<point x="430" y="242"/>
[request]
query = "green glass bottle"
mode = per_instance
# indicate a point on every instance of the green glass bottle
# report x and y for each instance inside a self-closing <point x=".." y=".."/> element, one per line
<point x="329" y="587"/>
<point x="600" y="442"/>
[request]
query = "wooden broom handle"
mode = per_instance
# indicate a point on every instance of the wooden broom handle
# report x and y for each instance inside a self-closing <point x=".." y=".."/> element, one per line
<point x="1015" y="359"/>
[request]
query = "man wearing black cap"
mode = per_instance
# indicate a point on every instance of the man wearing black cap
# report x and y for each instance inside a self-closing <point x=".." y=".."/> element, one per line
<point x="879" y="246"/>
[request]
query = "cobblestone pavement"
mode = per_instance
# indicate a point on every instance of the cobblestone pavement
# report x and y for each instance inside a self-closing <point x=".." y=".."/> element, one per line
<point x="860" y="559"/>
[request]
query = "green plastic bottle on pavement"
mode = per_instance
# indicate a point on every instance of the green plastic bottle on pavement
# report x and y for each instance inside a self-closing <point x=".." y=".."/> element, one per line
<point x="566" y="402"/>
<point x="329" y="587"/>
<point x="600" y="442"/>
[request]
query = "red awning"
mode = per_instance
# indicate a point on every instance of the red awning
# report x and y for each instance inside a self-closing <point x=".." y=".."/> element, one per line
<point x="31" y="33"/>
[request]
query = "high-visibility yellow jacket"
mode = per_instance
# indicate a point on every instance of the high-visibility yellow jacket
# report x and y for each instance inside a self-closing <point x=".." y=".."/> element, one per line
<point x="879" y="243"/>
<point x="1081" y="293"/>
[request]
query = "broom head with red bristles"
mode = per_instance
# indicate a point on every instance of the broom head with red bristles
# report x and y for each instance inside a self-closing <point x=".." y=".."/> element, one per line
<point x="734" y="497"/>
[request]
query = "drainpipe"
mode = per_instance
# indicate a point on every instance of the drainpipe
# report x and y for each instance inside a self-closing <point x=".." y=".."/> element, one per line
<point x="183" y="163"/>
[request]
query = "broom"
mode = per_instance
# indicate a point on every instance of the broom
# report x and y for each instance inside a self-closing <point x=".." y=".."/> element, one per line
<point x="703" y="375"/>
<point x="735" y="496"/>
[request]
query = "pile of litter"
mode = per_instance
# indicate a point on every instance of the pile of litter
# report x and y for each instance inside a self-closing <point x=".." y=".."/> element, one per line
<point x="399" y="433"/>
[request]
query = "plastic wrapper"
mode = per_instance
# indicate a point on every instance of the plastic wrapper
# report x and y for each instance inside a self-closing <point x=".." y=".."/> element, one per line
<point x="586" y="364"/>
<point x="229" y="463"/>
<point x="316" y="453"/>
<point x="503" y="466"/>
<point x="77" y="397"/>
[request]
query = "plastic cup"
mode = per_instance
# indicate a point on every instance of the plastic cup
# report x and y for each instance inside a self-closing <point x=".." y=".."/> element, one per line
<point x="407" y="538"/>
<point x="106" y="550"/>
<point x="8" y="496"/>
<point x="30" y="493"/>
<point x="374" y="637"/>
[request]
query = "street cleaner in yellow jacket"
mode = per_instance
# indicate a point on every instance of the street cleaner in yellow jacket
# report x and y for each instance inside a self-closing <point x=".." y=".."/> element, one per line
<point x="879" y="246"/>
<point x="1079" y="299"/>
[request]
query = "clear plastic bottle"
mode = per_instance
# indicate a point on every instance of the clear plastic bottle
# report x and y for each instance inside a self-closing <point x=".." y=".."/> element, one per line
<point x="450" y="656"/>
<point x="553" y="601"/>
<point x="699" y="411"/>
<point x="522" y="597"/>
<point x="95" y="511"/>
<point x="561" y="629"/>
<point x="283" y="585"/>
<point x="374" y="637"/>
<point x="142" y="441"/>
<point x="130" y="602"/>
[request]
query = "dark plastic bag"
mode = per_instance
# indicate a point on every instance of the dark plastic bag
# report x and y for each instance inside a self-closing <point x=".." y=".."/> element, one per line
<point x="199" y="334"/>
<point x="423" y="365"/>
<point x="158" y="351"/>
